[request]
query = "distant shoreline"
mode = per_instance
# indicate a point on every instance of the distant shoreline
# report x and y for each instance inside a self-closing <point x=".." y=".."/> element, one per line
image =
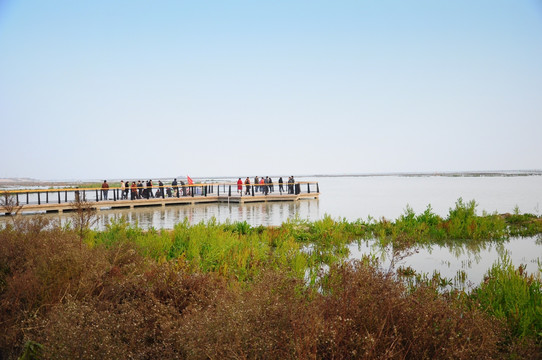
<point x="444" y="174"/>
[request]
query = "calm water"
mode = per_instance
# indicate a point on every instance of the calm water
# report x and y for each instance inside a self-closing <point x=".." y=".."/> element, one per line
<point x="382" y="196"/>
<point x="359" y="197"/>
<point x="474" y="262"/>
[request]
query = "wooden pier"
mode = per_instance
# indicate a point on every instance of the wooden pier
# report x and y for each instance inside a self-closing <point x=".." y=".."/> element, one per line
<point x="26" y="201"/>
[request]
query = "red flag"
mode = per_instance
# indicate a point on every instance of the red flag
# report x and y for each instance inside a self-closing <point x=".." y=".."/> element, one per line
<point x="190" y="182"/>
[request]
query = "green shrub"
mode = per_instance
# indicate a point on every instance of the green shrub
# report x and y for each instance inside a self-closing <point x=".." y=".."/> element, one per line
<point x="514" y="296"/>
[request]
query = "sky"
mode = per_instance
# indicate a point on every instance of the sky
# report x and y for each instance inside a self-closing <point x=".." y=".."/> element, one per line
<point x="148" y="89"/>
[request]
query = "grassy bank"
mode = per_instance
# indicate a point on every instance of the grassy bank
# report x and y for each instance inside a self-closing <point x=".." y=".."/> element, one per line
<point x="236" y="291"/>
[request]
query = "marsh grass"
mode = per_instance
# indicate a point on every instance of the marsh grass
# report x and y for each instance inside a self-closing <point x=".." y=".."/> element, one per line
<point x="231" y="290"/>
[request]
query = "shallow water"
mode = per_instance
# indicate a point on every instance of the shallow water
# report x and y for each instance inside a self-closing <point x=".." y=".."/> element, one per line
<point x="464" y="264"/>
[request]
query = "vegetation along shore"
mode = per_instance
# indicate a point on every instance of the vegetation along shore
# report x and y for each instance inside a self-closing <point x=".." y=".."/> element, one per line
<point x="231" y="290"/>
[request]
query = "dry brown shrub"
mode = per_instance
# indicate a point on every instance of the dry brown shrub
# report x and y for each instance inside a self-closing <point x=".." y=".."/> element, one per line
<point x="174" y="287"/>
<point x="125" y="319"/>
<point x="137" y="328"/>
<point x="369" y="315"/>
<point x="272" y="320"/>
<point x="41" y="264"/>
<point x="439" y="327"/>
<point x="359" y="309"/>
<point x="524" y="348"/>
<point x="91" y="302"/>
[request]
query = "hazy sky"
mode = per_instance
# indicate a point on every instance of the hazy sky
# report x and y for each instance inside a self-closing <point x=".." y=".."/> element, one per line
<point x="145" y="89"/>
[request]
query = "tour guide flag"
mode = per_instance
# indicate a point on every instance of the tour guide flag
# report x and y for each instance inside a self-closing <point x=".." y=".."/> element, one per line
<point x="190" y="182"/>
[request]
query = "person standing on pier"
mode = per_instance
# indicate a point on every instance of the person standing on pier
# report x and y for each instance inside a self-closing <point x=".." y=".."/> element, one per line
<point x="291" y="185"/>
<point x="256" y="182"/>
<point x="265" y="186"/>
<point x="175" y="187"/>
<point x="149" y="188"/>
<point x="127" y="189"/>
<point x="247" y="185"/>
<point x="122" y="188"/>
<point x="134" y="191"/>
<point x="141" y="191"/>
<point x="281" y="182"/>
<point x="105" y="189"/>
<point x="160" y="191"/>
<point x="271" y="185"/>
<point x="239" y="186"/>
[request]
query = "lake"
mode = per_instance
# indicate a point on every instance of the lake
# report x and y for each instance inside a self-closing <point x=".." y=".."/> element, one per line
<point x="358" y="197"/>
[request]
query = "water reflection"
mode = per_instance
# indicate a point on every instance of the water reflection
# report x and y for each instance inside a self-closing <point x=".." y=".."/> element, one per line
<point x="267" y="214"/>
<point x="464" y="264"/>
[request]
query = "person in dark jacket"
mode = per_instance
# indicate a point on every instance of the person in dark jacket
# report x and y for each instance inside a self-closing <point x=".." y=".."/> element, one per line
<point x="160" y="191"/>
<point x="149" y="187"/>
<point x="247" y="186"/>
<point x="175" y="187"/>
<point x="291" y="185"/>
<point x="141" y="193"/>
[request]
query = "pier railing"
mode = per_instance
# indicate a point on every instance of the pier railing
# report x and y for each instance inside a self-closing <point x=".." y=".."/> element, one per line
<point x="115" y="193"/>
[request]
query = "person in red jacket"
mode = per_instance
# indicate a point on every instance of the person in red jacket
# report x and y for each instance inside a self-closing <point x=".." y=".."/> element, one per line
<point x="105" y="189"/>
<point x="134" y="191"/>
<point x="239" y="186"/>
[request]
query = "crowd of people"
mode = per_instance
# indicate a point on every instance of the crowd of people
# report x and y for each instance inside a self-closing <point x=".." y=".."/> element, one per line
<point x="266" y="185"/>
<point x="144" y="189"/>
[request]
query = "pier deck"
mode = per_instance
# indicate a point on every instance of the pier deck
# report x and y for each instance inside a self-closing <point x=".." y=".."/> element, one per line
<point x="62" y="200"/>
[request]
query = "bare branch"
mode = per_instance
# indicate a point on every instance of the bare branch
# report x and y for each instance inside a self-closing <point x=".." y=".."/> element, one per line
<point x="84" y="215"/>
<point x="9" y="203"/>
